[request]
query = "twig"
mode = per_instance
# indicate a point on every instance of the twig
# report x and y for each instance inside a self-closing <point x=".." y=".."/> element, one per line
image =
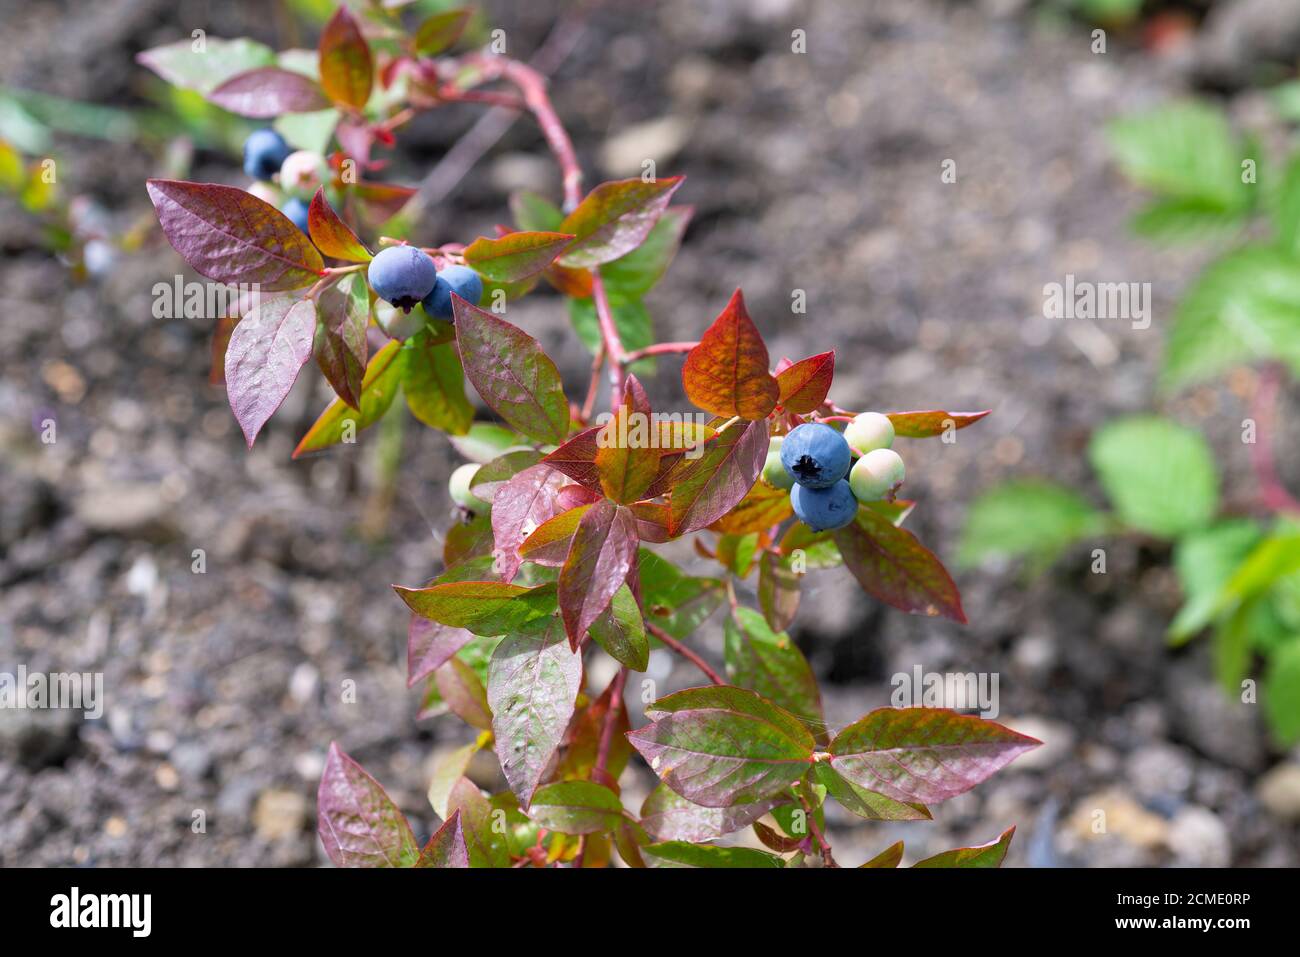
<point x="1263" y="408"/>
<point x="828" y="859"/>
<point x="675" y="645"/>
<point x="659" y="349"/>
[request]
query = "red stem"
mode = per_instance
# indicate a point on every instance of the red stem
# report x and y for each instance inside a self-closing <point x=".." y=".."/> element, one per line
<point x="659" y="349"/>
<point x="1263" y="407"/>
<point x="611" y="718"/>
<point x="675" y="645"/>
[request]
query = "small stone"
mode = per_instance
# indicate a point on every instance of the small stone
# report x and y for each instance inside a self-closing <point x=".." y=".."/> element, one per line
<point x="1279" y="791"/>
<point x="1198" y="838"/>
<point x="279" y="814"/>
<point x="132" y="510"/>
<point x="659" y="140"/>
<point x="1159" y="770"/>
<point x="1058" y="741"/>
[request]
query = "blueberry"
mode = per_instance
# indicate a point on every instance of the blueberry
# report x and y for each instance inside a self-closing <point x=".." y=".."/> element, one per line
<point x="402" y="275"/>
<point x="296" y="210"/>
<point x="815" y="455"/>
<point x="461" y="280"/>
<point x="774" y="472"/>
<point x="876" y="474"/>
<point x="264" y="153"/>
<point x="824" y="508"/>
<point x="868" y="431"/>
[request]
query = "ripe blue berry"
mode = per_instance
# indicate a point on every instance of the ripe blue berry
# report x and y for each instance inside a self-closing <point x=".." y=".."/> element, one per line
<point x="264" y="153"/>
<point x="824" y="508"/>
<point x="402" y="275"/>
<point x="461" y="280"/>
<point x="296" y="210"/>
<point x="815" y="455"/>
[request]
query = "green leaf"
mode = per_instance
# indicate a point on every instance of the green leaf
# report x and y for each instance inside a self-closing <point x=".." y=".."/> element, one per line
<point x="576" y="807"/>
<point x="483" y="607"/>
<point x="674" y="601"/>
<point x="448" y="771"/>
<point x="515" y="256"/>
<point x="441" y="31"/>
<point x="889" y="857"/>
<point x="463" y="692"/>
<point x="864" y="803"/>
<point x="771" y="664"/>
<point x="535" y="213"/>
<point x="632" y="276"/>
<point x="1281" y="693"/>
<point x="180" y="64"/>
<point x="1183" y="219"/>
<point x="485" y="441"/>
<point x="681" y="854"/>
<point x="1205" y="560"/>
<point x="1160" y="476"/>
<point x="614" y="219"/>
<point x="985" y="855"/>
<point x="620" y="631"/>
<point x="1030" y="518"/>
<point x="434" y="385"/>
<point x="340" y="422"/>
<point x="1184" y="150"/>
<point x="486" y="845"/>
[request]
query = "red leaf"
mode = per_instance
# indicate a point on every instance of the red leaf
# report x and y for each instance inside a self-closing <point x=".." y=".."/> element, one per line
<point x="358" y="822"/>
<point x="340" y="344"/>
<point x="356" y="137"/>
<point x="447" y="846"/>
<point x="346" y="70"/>
<point x="706" y="488"/>
<point x="575" y="496"/>
<point x="892" y="566"/>
<point x="926" y="425"/>
<point x="615" y="219"/>
<point x="512" y="374"/>
<point x="518" y="507"/>
<point x="550" y="542"/>
<point x="726" y="374"/>
<point x="515" y="256"/>
<point x="604" y="547"/>
<point x="805" y="383"/>
<point x="267" y="92"/>
<point x="331" y="235"/>
<point x="231" y="236"/>
<point x="576" y="458"/>
<point x="429" y="645"/>
<point x="265" y="354"/>
<point x="923" y="755"/>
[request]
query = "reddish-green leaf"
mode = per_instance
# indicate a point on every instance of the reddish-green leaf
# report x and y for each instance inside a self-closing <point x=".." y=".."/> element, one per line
<point x="265" y="354"/>
<point x="889" y="857"/>
<point x="447" y="846"/>
<point x="484" y="842"/>
<point x="576" y="458"/>
<point x="923" y="755"/>
<point x="483" y="607"/>
<point x="670" y="817"/>
<point x="512" y="374"/>
<point x="634" y="275"/>
<point x="681" y="854"/>
<point x="892" y="566"/>
<point x="614" y="219"/>
<point x="229" y="235"/>
<point x="441" y="31"/>
<point x="627" y="456"/>
<point x="707" y="487"/>
<point x="676" y="602"/>
<point x="581" y="747"/>
<point x="492" y="475"/>
<point x="340" y="422"/>
<point x="515" y="256"/>
<point x="778" y="590"/>
<point x="991" y="854"/>
<point x="620" y="631"/>
<point x="434" y="386"/>
<point x="762" y="508"/>
<point x="926" y="425"/>
<point x="771" y="664"/>
<point x="576" y="807"/>
<point x="358" y="822"/>
<point x="550" y="542"/>
<point x="463" y="693"/>
<point x="600" y="557"/>
<point x="519" y="507"/>
<point x="382" y="201"/>
<point x="340" y="344"/>
<point x="805" y="383"/>
<point x="722" y="746"/>
<point x="268" y="92"/>
<point x="346" y="70"/>
<point x="181" y="65"/>
<point x="533" y="682"/>
<point x="429" y="645"/>
<point x="864" y="803"/>
<point x="331" y="235"/>
<point x="726" y="373"/>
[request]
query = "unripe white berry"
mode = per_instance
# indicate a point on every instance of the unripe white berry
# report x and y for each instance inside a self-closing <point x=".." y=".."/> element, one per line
<point x="302" y="172"/>
<point x="396" y="323"/>
<point x="458" y="486"/>
<point x="876" y="474"/>
<point x="774" y="472"/>
<point x="869" y="431"/>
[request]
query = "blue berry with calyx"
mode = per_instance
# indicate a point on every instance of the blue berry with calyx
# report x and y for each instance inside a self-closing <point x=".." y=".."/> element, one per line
<point x="815" y="455"/>
<point x="264" y="153"/>
<point x="296" y="210"/>
<point x="824" y="509"/>
<point x="461" y="280"/>
<point x="402" y="275"/>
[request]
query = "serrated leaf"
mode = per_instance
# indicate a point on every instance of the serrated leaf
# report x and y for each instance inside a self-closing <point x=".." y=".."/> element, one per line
<point x="707" y="487"/>
<point x="923" y="755"/>
<point x="231" y="236"/>
<point x="533" y="683"/>
<point x="726" y="373"/>
<point x="441" y="31"/>
<point x="518" y="508"/>
<point x="1030" y="518"/>
<point x="181" y="65"/>
<point x="620" y="631"/>
<point x="515" y="256"/>
<point x="984" y="855"/>
<point x="670" y="817"/>
<point x="576" y="807"/>
<point x="804" y="384"/>
<point x="358" y="822"/>
<point x="615" y="218"/>
<point x="267" y="92"/>
<point x="346" y="69"/>
<point x="864" y="803"/>
<point x="772" y="665"/>
<point x="1182" y="149"/>
<point x="932" y="423"/>
<point x="267" y="350"/>
<point x="512" y="374"/>
<point x="600" y="557"/>
<point x="340" y="344"/>
<point x="434" y="386"/>
<point x="378" y="389"/>
<point x="893" y="567"/>
<point x="332" y="236"/>
<point x="681" y="854"/>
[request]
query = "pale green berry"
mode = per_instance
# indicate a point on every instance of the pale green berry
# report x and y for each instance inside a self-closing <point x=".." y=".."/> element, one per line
<point x="774" y="473"/>
<point x="396" y="323"/>
<point x="876" y="474"/>
<point x="458" y="486"/>
<point x="869" y="431"/>
<point x="302" y="172"/>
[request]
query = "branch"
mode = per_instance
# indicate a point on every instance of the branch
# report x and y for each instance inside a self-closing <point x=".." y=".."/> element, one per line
<point x="1263" y="408"/>
<point x="607" y="731"/>
<point x="828" y="859"/>
<point x="658" y="349"/>
<point x="675" y="645"/>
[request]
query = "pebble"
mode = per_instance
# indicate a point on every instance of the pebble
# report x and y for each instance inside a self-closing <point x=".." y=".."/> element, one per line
<point x="1279" y="791"/>
<point x="279" y="814"/>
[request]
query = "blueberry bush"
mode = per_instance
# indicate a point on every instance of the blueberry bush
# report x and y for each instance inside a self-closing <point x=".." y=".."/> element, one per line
<point x="552" y="557"/>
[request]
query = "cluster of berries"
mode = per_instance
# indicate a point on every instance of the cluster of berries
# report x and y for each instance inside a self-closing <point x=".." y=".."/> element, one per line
<point x="405" y="275"/>
<point x="815" y="463"/>
<point x="268" y="158"/>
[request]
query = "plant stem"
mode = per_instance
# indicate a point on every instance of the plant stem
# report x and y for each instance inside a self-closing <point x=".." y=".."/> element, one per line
<point x="607" y="730"/>
<point x="675" y="645"/>
<point x="828" y="859"/>
<point x="1263" y="408"/>
<point x="659" y="349"/>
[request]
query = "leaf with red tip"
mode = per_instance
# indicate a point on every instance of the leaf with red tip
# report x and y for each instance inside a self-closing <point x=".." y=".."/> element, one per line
<point x="927" y="425"/>
<point x="379" y="387"/>
<point x="484" y="607"/>
<point x="346" y="69"/>
<point x="627" y="455"/>
<point x="576" y="458"/>
<point x="358" y="822"/>
<point x="512" y="374"/>
<point x="268" y="92"/>
<point x="429" y="645"/>
<point x="441" y="31"/>
<point x="266" y="352"/>
<point x="615" y="219"/>
<point x="726" y="373"/>
<point x="331" y="235"/>
<point x="804" y="384"/>
<point x="707" y="487"/>
<point x="991" y="854"/>
<point x="515" y="256"/>
<point x="340" y="344"/>
<point x="229" y="235"/>
<point x="604" y="547"/>
<point x="923" y="755"/>
<point x="549" y="543"/>
<point x="519" y="507"/>
<point x="447" y="846"/>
